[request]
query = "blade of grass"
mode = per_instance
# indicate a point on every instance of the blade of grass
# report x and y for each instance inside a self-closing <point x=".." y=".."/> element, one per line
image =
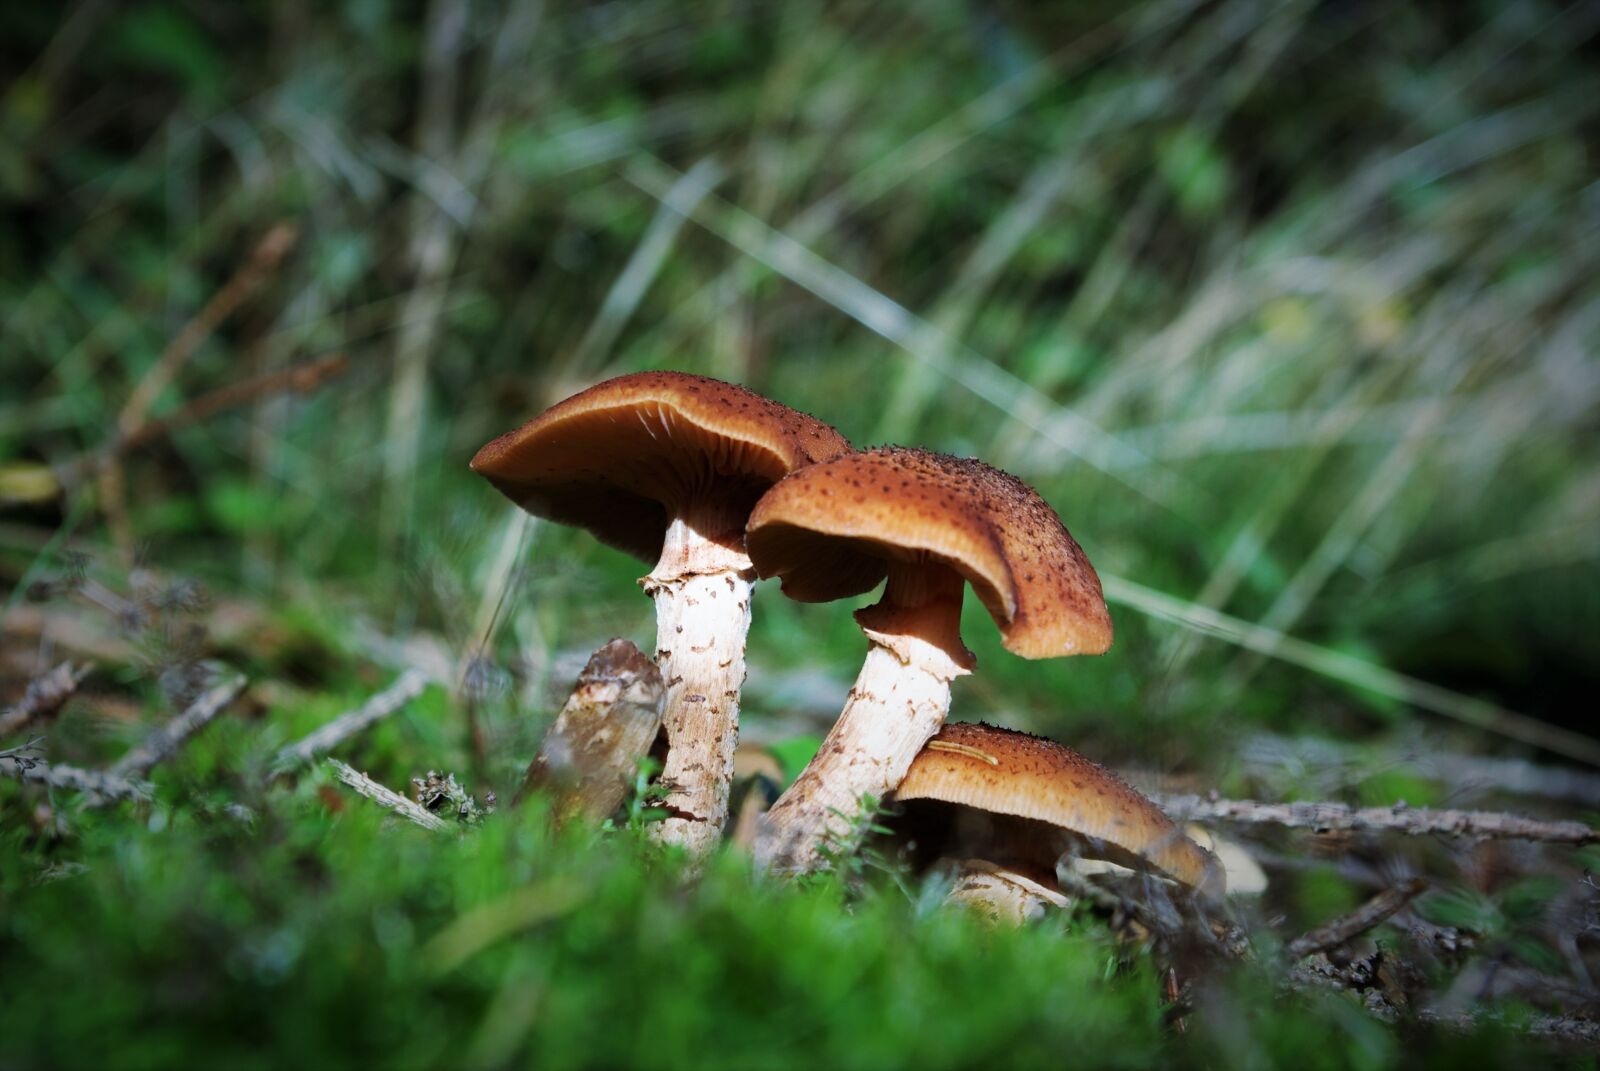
<point x="1350" y="669"/>
<point x="897" y="324"/>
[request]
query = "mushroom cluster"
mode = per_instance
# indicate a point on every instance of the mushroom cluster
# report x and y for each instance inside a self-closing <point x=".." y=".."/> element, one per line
<point x="716" y="486"/>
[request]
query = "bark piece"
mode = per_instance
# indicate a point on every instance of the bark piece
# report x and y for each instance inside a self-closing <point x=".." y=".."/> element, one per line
<point x="588" y="758"/>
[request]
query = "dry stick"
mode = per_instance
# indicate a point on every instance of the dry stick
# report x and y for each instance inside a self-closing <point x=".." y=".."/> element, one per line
<point x="21" y="754"/>
<point x="589" y="757"/>
<point x="57" y="775"/>
<point x="266" y="256"/>
<point x="296" y="379"/>
<point x="44" y="697"/>
<point x="299" y="378"/>
<point x="1413" y="821"/>
<point x="387" y="798"/>
<point x="1568" y="1029"/>
<point x="405" y="688"/>
<point x="165" y="741"/>
<point x="1345" y="927"/>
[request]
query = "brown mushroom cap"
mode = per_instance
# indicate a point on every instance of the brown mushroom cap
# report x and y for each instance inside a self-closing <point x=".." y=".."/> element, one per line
<point x="622" y="458"/>
<point x="1005" y="772"/>
<point x="829" y="529"/>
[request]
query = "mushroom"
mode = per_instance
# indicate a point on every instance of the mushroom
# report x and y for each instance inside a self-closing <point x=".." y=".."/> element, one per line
<point x="1005" y="807"/>
<point x="666" y="467"/>
<point x="931" y="523"/>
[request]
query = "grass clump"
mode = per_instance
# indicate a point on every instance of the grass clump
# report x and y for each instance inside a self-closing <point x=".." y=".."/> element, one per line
<point x="296" y="935"/>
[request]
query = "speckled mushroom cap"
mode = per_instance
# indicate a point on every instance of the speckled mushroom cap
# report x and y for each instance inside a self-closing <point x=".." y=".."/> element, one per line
<point x="1002" y="771"/>
<point x="623" y="457"/>
<point x="828" y="531"/>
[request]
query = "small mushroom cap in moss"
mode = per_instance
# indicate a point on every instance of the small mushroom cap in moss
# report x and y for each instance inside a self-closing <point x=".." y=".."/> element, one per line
<point x="624" y="457"/>
<point x="1005" y="772"/>
<point x="830" y="531"/>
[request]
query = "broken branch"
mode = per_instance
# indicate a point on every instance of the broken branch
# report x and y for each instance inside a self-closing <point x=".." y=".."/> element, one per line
<point x="1399" y="818"/>
<point x="264" y="258"/>
<point x="57" y="775"/>
<point x="405" y="688"/>
<point x="111" y="483"/>
<point x="297" y="379"/>
<point x="385" y="797"/>
<point x="165" y="741"/>
<point x="20" y="754"/>
<point x="44" y="697"/>
<point x="1357" y="922"/>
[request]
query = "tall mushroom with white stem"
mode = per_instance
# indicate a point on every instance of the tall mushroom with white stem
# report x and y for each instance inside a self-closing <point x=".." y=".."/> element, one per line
<point x="666" y="466"/>
<point x="932" y="524"/>
<point x="1002" y="808"/>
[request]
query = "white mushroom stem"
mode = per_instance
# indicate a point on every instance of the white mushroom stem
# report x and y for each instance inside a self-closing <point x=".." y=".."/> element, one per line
<point x="1001" y="895"/>
<point x="899" y="701"/>
<point x="701" y="589"/>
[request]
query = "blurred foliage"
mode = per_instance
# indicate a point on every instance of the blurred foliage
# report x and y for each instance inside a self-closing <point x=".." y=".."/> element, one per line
<point x="1289" y="308"/>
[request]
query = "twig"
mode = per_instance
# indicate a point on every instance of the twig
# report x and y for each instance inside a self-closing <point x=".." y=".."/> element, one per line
<point x="44" y="697"/>
<point x="1564" y="1028"/>
<point x="1357" y="922"/>
<point x="405" y="688"/>
<point x="383" y="797"/>
<point x="166" y="740"/>
<point x="589" y="757"/>
<point x="298" y="379"/>
<point x="1414" y="821"/>
<point x="57" y="775"/>
<point x="20" y="754"/>
<point x="112" y="485"/>
<point x="267" y="254"/>
<point x="1361" y="978"/>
